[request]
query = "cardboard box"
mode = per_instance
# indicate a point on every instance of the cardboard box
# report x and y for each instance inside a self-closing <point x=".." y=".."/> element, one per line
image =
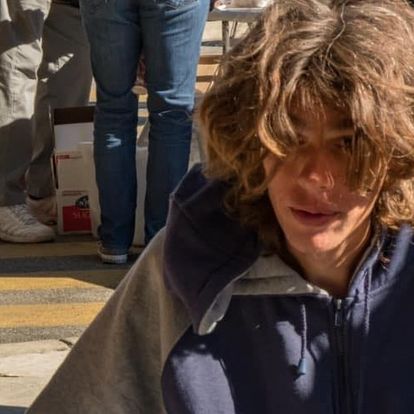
<point x="72" y="126"/>
<point x="69" y="171"/>
<point x="68" y="136"/>
<point x="73" y="211"/>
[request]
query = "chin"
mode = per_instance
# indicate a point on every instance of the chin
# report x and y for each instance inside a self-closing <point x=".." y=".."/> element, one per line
<point x="313" y="245"/>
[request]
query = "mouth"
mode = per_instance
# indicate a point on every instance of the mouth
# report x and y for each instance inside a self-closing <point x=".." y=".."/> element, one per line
<point x="314" y="218"/>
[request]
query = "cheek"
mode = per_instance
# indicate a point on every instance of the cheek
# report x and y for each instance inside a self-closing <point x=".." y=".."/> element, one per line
<point x="355" y="203"/>
<point x="277" y="184"/>
<point x="359" y="207"/>
<point x="280" y="190"/>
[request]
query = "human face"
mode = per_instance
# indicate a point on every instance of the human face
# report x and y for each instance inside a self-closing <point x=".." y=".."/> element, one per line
<point x="317" y="211"/>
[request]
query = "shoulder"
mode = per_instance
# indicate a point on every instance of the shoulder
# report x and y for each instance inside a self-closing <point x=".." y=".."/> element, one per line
<point x="146" y="283"/>
<point x="397" y="251"/>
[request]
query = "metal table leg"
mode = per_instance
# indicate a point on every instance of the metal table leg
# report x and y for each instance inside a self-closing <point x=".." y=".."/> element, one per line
<point x="225" y="27"/>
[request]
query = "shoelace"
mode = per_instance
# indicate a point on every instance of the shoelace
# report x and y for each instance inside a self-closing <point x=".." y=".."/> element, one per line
<point x="22" y="214"/>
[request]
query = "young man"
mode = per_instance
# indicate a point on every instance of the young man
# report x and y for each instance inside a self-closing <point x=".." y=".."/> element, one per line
<point x="283" y="282"/>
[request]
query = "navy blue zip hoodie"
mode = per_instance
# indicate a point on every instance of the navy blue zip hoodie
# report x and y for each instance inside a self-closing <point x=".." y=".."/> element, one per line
<point x="283" y="353"/>
<point x="204" y="324"/>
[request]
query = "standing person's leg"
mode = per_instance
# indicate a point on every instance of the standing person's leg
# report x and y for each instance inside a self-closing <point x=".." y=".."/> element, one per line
<point x="115" y="40"/>
<point x="21" y="28"/>
<point x="172" y="31"/>
<point x="65" y="78"/>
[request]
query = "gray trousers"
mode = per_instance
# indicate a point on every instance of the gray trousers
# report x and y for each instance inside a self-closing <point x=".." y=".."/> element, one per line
<point x="44" y="64"/>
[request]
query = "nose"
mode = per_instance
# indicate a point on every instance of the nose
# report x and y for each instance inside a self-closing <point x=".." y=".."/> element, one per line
<point x="315" y="172"/>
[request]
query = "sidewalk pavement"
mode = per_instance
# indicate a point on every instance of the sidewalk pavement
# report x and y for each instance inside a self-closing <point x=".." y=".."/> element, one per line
<point x="25" y="368"/>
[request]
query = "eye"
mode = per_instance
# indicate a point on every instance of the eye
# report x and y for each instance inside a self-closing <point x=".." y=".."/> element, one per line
<point x="345" y="143"/>
<point x="301" y="140"/>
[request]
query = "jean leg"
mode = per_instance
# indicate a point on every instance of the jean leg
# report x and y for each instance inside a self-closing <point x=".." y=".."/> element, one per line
<point x="172" y="32"/>
<point x="114" y="35"/>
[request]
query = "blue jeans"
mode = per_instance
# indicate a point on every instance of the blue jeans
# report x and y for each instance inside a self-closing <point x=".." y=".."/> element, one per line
<point x="169" y="33"/>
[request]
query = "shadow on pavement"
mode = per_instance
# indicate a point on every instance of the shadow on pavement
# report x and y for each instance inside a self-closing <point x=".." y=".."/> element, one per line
<point x="11" y="410"/>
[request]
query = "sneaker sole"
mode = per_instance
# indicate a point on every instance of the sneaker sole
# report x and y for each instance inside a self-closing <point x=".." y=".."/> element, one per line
<point x="26" y="239"/>
<point x="113" y="259"/>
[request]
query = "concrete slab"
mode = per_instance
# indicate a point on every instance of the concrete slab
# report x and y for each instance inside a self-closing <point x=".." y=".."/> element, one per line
<point x="34" y="365"/>
<point x="25" y="368"/>
<point x="24" y="348"/>
<point x="19" y="393"/>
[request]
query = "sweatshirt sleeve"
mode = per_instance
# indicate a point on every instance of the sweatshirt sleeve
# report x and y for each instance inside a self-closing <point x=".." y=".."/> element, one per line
<point x="115" y="367"/>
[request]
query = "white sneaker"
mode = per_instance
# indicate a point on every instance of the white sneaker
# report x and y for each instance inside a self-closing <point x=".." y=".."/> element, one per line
<point x="18" y="225"/>
<point x="44" y="210"/>
<point x="112" y="256"/>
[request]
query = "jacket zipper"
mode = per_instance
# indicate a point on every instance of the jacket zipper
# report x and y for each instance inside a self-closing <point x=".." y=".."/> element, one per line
<point x="339" y="339"/>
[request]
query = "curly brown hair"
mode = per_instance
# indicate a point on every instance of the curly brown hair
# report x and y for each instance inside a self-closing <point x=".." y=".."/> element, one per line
<point x="355" y="55"/>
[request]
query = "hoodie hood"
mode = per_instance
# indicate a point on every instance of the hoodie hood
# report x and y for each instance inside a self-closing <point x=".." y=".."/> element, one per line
<point x="225" y="258"/>
<point x="220" y="253"/>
